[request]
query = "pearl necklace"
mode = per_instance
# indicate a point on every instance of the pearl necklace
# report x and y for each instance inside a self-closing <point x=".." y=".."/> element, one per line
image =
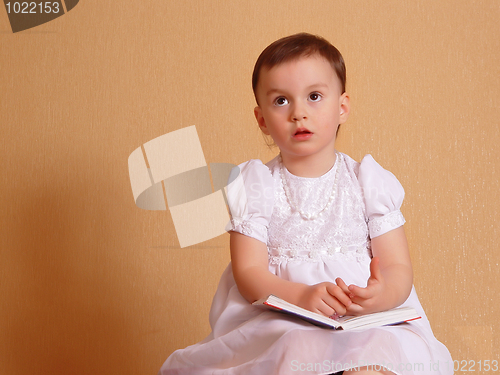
<point x="304" y="215"/>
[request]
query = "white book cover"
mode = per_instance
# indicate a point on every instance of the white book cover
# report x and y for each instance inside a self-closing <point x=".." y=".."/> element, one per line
<point x="389" y="317"/>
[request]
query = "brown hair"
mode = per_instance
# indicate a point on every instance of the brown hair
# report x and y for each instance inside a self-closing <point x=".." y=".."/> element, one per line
<point x="295" y="46"/>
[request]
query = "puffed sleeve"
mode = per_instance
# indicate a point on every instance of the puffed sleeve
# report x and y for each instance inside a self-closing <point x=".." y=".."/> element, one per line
<point x="383" y="195"/>
<point x="250" y="196"/>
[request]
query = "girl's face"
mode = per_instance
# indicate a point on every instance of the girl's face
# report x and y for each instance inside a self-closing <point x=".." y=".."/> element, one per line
<point x="301" y="106"/>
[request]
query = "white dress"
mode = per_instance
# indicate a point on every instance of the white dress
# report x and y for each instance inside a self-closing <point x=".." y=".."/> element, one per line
<point x="249" y="340"/>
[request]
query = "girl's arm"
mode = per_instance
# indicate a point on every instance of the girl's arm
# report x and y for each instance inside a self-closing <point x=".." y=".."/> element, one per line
<point x="249" y="261"/>
<point x="391" y="276"/>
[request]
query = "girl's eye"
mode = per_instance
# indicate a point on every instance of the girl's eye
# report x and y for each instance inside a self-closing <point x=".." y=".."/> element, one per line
<point x="281" y="101"/>
<point x="315" y="97"/>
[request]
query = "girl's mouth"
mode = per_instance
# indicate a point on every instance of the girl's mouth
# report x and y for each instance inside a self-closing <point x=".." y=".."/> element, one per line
<point x="302" y="134"/>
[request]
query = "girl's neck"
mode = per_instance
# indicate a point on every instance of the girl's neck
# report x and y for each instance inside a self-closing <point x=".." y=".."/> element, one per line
<point x="310" y="166"/>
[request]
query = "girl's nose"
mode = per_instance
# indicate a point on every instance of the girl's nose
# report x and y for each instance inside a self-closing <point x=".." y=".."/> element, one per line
<point x="298" y="113"/>
<point x="299" y="117"/>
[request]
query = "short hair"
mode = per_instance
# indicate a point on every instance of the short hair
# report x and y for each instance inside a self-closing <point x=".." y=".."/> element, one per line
<point x="292" y="48"/>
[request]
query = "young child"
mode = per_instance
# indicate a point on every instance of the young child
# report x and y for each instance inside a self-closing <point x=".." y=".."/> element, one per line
<point x="317" y="229"/>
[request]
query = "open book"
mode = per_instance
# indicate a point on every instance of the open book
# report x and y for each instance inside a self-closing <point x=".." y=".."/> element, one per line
<point x="389" y="317"/>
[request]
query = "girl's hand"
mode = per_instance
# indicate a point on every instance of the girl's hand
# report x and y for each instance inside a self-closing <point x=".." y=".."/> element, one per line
<point x="391" y="276"/>
<point x="324" y="298"/>
<point x="369" y="299"/>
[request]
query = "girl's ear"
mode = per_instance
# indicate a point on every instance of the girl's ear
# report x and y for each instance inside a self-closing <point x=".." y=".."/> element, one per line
<point x="345" y="107"/>
<point x="260" y="120"/>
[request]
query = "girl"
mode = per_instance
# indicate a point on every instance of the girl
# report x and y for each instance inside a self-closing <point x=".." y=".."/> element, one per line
<point x="317" y="229"/>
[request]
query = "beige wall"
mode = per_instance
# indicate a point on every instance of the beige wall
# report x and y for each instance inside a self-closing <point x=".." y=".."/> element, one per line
<point x="91" y="284"/>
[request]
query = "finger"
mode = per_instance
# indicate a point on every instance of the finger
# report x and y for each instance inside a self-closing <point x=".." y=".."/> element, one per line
<point x="337" y="292"/>
<point x="355" y="309"/>
<point x="335" y="305"/>
<point x="342" y="285"/>
<point x="360" y="301"/>
<point x="326" y="309"/>
<point x="323" y="311"/>
<point x="375" y="269"/>
<point x="357" y="292"/>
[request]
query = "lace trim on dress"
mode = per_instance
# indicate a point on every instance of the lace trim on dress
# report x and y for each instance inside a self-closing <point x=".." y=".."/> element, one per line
<point x="384" y="224"/>
<point x="248" y="228"/>
<point x="341" y="231"/>
<point x="358" y="253"/>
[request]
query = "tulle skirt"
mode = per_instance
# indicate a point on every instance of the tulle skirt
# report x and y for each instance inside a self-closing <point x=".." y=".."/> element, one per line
<point x="250" y="340"/>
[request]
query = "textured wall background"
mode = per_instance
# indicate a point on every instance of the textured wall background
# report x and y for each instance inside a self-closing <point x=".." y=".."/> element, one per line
<point x="91" y="284"/>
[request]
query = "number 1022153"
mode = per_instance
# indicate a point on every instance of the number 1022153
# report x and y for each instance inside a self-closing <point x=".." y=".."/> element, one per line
<point x="32" y="7"/>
